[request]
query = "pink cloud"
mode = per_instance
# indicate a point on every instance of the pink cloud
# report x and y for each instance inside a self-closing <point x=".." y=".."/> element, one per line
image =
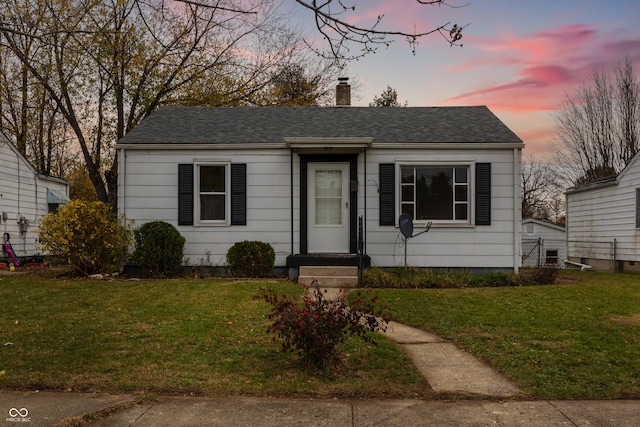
<point x="545" y="66"/>
<point x="528" y="93"/>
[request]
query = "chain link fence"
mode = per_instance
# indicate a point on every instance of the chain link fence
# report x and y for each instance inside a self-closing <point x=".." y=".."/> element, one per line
<point x="585" y="254"/>
<point x="597" y="255"/>
<point x="543" y="252"/>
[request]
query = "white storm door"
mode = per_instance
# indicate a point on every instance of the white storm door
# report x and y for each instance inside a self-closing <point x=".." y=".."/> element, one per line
<point x="328" y="208"/>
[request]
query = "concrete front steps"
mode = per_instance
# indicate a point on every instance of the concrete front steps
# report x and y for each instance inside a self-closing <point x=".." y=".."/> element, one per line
<point x="329" y="276"/>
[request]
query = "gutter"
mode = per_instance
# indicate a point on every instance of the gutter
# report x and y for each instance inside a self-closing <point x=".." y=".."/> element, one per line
<point x="517" y="242"/>
<point x="315" y="143"/>
<point x="121" y="185"/>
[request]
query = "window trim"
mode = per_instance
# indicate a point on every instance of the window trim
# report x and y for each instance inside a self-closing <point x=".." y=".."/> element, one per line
<point x="227" y="194"/>
<point x="470" y="221"/>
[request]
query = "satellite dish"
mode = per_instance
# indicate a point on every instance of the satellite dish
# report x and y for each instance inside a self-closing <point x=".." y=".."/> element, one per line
<point x="406" y="228"/>
<point x="406" y="225"/>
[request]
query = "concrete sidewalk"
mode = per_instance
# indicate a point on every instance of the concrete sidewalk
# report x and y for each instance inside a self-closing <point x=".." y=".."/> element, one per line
<point x="66" y="409"/>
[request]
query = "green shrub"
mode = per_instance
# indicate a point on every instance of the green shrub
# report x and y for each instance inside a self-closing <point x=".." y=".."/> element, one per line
<point x="545" y="275"/>
<point x="87" y="235"/>
<point x="159" y="249"/>
<point x="251" y="259"/>
<point x="412" y="277"/>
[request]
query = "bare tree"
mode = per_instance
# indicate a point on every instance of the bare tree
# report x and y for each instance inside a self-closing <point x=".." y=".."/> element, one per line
<point x="106" y="64"/>
<point x="28" y="114"/>
<point x="598" y="130"/>
<point x="542" y="191"/>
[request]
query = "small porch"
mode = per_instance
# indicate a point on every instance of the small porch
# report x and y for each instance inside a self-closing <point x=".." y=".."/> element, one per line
<point x="295" y="263"/>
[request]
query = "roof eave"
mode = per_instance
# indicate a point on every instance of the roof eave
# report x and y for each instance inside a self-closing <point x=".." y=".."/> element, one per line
<point x="591" y="186"/>
<point x="206" y="146"/>
<point x="449" y="145"/>
<point x="315" y="143"/>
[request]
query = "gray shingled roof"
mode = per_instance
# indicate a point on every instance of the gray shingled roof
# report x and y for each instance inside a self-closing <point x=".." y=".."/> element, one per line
<point x="196" y="125"/>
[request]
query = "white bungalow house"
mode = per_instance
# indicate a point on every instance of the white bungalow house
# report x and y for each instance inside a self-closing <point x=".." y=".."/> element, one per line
<point x="25" y="196"/>
<point x="325" y="185"/>
<point x="543" y="243"/>
<point x="603" y="221"/>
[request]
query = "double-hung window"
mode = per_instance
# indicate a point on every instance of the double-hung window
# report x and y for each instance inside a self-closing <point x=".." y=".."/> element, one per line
<point x="212" y="197"/>
<point x="212" y="193"/>
<point x="435" y="193"/>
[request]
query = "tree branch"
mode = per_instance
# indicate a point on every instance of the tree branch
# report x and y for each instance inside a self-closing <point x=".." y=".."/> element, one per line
<point x="340" y="34"/>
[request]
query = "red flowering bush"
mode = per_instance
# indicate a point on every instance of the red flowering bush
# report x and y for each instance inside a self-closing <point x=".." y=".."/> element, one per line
<point x="316" y="326"/>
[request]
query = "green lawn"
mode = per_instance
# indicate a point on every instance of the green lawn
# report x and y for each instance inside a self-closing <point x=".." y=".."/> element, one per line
<point x="172" y="336"/>
<point x="578" y="339"/>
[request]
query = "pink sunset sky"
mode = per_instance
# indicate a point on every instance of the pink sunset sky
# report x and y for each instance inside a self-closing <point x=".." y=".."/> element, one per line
<point x="519" y="57"/>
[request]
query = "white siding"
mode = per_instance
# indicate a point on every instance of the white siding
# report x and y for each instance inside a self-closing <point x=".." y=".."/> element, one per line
<point x="148" y="191"/>
<point x="23" y="193"/>
<point x="447" y="246"/>
<point x="551" y="237"/>
<point x="597" y="216"/>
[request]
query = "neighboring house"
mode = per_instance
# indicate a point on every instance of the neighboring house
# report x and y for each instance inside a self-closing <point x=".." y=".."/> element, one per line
<point x="603" y="221"/>
<point x="543" y="243"/>
<point x="323" y="184"/>
<point x="25" y="196"/>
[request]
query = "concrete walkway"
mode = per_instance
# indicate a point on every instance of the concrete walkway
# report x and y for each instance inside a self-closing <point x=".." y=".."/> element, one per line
<point x="446" y="368"/>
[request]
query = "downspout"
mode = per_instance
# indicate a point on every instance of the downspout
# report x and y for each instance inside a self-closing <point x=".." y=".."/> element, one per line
<point x="36" y="179"/>
<point x="19" y="192"/>
<point x="24" y="243"/>
<point x="516" y="214"/>
<point x="121" y="192"/>
<point x="566" y="227"/>
<point x="364" y="226"/>
<point x="291" y="198"/>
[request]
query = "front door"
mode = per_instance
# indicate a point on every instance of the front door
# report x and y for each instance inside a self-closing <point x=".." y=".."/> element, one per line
<point x="328" y="207"/>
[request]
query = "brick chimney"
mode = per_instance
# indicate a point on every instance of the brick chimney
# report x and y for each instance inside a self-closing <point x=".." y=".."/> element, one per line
<point x="343" y="92"/>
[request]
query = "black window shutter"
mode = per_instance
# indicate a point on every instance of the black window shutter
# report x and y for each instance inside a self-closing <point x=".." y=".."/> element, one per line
<point x="637" y="207"/>
<point x="483" y="193"/>
<point x="185" y="194"/>
<point x="238" y="194"/>
<point x="387" y="193"/>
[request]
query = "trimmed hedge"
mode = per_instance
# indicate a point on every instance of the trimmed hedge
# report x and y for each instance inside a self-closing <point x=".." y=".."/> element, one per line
<point x="251" y="258"/>
<point x="159" y="249"/>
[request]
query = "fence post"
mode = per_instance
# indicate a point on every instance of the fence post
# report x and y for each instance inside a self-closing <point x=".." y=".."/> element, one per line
<point x="539" y="252"/>
<point x="615" y="256"/>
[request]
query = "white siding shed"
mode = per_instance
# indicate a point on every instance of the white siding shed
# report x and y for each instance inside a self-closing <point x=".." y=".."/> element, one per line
<point x="543" y="243"/>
